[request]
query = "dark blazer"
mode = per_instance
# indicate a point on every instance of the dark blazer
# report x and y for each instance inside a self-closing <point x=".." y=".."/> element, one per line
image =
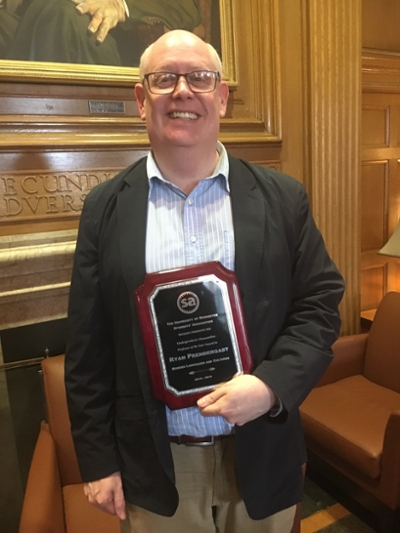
<point x="290" y="290"/>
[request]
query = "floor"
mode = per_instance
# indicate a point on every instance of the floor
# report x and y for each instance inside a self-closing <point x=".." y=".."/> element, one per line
<point x="21" y="410"/>
<point x="323" y="514"/>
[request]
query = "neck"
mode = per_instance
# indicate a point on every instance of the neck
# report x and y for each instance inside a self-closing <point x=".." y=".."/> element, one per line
<point x="186" y="168"/>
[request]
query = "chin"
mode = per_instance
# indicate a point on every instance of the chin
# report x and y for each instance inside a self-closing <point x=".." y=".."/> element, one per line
<point x="182" y="140"/>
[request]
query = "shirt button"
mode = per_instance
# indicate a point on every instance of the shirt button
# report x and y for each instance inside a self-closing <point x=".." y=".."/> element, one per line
<point x="190" y="201"/>
<point x="193" y="238"/>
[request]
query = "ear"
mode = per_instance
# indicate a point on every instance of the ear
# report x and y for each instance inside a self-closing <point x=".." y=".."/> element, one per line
<point x="140" y="95"/>
<point x="223" y="95"/>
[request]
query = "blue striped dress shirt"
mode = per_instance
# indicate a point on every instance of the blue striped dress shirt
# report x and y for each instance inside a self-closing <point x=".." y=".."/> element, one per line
<point x="184" y="230"/>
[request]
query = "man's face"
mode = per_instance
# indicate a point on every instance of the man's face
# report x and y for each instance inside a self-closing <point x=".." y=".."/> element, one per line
<point x="182" y="118"/>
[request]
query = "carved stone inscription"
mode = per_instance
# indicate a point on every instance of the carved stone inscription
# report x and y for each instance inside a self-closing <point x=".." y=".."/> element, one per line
<point x="42" y="194"/>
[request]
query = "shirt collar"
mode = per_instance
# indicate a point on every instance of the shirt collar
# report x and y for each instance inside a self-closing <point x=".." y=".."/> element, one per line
<point x="221" y="169"/>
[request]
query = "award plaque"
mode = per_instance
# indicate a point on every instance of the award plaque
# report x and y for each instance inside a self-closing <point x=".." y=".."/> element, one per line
<point x="193" y="331"/>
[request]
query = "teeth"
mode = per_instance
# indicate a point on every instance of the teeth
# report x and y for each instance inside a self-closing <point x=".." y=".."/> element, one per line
<point x="187" y="115"/>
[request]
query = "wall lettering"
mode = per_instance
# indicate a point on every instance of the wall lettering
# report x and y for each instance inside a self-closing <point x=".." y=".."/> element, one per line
<point x="38" y="195"/>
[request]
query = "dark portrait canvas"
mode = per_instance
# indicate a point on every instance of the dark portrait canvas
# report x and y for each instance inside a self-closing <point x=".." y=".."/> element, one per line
<point x="54" y="31"/>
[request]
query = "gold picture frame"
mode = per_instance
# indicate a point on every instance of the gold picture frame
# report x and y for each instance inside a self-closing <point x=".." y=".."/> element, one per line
<point x="39" y="71"/>
<point x="249" y="33"/>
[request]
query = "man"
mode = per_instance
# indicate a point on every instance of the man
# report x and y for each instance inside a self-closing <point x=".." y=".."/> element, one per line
<point x="232" y="463"/>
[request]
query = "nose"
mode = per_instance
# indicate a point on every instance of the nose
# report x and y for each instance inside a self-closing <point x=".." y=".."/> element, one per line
<point x="182" y="86"/>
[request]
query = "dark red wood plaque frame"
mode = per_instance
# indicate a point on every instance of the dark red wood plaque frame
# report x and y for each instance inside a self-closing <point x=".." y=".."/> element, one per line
<point x="193" y="330"/>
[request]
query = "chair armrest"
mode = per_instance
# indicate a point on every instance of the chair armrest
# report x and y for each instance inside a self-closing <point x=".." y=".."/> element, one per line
<point x="390" y="478"/>
<point x="348" y="358"/>
<point x="42" y="509"/>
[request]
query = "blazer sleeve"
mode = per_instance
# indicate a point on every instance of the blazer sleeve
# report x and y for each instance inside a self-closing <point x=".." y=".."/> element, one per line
<point x="301" y="350"/>
<point x="89" y="364"/>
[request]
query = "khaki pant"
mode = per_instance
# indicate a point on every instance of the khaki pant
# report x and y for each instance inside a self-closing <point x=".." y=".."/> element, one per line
<point x="209" y="501"/>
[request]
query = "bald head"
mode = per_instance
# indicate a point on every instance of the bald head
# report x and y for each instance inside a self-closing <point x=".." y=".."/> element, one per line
<point x="175" y="40"/>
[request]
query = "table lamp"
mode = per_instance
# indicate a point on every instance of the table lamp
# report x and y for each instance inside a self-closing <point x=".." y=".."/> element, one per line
<point x="392" y="247"/>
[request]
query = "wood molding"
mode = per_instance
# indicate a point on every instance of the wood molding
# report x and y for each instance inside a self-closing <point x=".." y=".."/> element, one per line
<point x="35" y="272"/>
<point x="332" y="43"/>
<point x="380" y="71"/>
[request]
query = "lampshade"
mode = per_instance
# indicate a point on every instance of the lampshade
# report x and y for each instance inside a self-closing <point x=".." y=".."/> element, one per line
<point x="392" y="247"/>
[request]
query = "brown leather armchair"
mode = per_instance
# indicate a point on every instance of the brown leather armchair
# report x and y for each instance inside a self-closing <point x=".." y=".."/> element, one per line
<point x="351" y="419"/>
<point x="54" y="501"/>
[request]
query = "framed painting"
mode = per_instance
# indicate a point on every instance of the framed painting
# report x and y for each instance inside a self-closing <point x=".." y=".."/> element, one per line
<point x="42" y="40"/>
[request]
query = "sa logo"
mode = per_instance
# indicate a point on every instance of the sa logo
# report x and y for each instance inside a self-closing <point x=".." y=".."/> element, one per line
<point x="188" y="302"/>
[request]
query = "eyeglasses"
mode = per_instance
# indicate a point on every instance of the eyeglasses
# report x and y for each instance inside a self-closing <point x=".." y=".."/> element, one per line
<point x="199" y="81"/>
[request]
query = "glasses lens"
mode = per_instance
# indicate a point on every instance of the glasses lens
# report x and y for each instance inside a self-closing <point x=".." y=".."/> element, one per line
<point x="201" y="80"/>
<point x="162" y="81"/>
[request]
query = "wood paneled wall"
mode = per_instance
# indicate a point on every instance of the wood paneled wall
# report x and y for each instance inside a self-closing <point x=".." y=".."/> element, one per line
<point x="294" y="104"/>
<point x="380" y="186"/>
<point x="380" y="25"/>
<point x="380" y="175"/>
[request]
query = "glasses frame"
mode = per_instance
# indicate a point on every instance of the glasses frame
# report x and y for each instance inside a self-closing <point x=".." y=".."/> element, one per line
<point x="178" y="76"/>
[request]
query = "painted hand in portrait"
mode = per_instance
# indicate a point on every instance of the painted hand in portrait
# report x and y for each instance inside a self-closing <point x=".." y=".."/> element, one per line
<point x="98" y="32"/>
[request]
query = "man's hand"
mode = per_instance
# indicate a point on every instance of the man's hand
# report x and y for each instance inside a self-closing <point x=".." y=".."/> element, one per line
<point x="106" y="14"/>
<point x="106" y="494"/>
<point x="240" y="400"/>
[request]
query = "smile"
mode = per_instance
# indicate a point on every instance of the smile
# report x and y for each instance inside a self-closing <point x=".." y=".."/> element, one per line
<point x="185" y="115"/>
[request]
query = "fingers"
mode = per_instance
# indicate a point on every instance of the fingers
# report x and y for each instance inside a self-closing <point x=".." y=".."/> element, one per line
<point x="119" y="505"/>
<point x="218" y="392"/>
<point x="106" y="14"/>
<point x="100" y="25"/>
<point x="104" y="28"/>
<point x="107" y="495"/>
<point x="219" y="403"/>
<point x="239" y="401"/>
<point x="95" y="23"/>
<point x="212" y="397"/>
<point x="82" y="7"/>
<point x="103" y="503"/>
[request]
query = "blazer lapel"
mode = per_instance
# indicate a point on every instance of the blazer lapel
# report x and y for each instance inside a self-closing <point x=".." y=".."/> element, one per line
<point x="132" y="217"/>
